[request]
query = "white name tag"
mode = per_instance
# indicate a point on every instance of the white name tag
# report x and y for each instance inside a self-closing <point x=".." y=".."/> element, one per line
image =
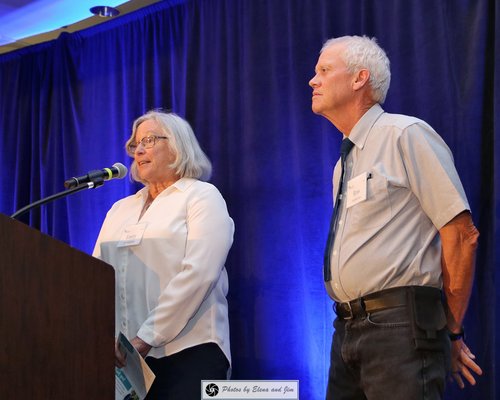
<point x="356" y="190"/>
<point x="132" y="235"/>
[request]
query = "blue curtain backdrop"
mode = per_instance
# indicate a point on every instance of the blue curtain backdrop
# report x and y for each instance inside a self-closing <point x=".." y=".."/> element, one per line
<point x="238" y="71"/>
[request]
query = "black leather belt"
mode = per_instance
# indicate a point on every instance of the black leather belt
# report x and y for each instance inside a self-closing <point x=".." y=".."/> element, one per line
<point x="389" y="298"/>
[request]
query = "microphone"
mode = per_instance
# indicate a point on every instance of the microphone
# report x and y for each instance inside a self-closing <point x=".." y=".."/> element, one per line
<point x="118" y="170"/>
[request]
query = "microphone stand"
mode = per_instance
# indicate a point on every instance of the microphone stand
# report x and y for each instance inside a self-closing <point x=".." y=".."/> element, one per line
<point x="89" y="185"/>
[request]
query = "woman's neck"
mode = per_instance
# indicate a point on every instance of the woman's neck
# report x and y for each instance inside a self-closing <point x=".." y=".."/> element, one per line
<point x="154" y="189"/>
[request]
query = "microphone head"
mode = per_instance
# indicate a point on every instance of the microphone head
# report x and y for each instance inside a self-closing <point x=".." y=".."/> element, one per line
<point x="122" y="170"/>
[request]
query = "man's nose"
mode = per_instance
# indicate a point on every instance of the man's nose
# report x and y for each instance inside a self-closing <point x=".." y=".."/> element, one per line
<point x="313" y="82"/>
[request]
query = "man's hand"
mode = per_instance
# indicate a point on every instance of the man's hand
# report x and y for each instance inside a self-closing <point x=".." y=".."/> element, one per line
<point x="463" y="364"/>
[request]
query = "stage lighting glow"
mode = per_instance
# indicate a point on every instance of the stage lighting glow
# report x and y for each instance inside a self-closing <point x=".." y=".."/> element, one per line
<point x="45" y="16"/>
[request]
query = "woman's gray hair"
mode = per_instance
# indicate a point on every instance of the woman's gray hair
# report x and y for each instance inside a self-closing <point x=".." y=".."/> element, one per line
<point x="361" y="52"/>
<point x="190" y="160"/>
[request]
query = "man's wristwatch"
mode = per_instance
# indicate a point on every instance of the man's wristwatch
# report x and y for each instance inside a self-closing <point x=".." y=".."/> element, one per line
<point x="457" y="336"/>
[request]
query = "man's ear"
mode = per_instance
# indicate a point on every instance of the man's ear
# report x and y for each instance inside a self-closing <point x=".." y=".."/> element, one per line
<point x="360" y="79"/>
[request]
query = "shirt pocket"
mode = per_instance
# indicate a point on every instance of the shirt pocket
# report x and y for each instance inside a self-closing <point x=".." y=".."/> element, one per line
<point x="375" y="211"/>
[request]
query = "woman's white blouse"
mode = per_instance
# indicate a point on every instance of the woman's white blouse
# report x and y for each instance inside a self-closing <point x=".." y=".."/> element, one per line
<point x="171" y="283"/>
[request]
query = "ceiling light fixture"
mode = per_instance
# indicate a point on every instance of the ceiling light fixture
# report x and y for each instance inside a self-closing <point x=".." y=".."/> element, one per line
<point x="104" y="11"/>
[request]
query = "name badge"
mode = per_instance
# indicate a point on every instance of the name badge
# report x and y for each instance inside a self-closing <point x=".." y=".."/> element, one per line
<point x="132" y="235"/>
<point x="356" y="190"/>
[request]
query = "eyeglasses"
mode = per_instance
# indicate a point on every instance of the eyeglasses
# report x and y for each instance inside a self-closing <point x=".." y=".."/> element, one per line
<point x="147" y="142"/>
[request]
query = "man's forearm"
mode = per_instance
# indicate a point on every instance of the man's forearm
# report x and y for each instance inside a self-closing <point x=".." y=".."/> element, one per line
<point x="459" y="242"/>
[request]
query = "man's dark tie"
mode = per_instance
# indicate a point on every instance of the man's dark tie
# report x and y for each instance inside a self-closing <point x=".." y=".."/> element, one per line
<point x="345" y="148"/>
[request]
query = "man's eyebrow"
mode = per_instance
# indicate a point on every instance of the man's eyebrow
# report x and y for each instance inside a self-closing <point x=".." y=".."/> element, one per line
<point x="322" y="66"/>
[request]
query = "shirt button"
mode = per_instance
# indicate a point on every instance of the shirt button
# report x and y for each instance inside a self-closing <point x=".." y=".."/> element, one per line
<point x="340" y="222"/>
<point x="334" y="252"/>
<point x="336" y="285"/>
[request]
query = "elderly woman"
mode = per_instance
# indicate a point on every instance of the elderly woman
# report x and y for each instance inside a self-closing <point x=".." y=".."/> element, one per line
<point x="168" y="244"/>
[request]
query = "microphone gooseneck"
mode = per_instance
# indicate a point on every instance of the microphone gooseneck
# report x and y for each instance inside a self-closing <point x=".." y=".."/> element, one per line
<point x="118" y="171"/>
<point x="92" y="180"/>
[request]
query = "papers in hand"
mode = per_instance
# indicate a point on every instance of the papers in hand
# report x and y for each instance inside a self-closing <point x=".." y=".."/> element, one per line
<point x="133" y="381"/>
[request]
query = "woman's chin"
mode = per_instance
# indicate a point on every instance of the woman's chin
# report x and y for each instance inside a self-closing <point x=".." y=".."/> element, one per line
<point x="143" y="177"/>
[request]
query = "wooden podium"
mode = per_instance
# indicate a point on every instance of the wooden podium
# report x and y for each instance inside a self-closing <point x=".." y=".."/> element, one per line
<point x="56" y="319"/>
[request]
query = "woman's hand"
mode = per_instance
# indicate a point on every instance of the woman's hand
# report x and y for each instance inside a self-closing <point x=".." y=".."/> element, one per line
<point x="120" y="358"/>
<point x="141" y="346"/>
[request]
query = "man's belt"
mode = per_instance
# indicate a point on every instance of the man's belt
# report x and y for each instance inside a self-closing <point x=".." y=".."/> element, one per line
<point x="377" y="301"/>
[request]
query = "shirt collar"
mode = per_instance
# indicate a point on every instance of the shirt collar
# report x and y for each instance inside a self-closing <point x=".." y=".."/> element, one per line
<point x="359" y="133"/>
<point x="182" y="184"/>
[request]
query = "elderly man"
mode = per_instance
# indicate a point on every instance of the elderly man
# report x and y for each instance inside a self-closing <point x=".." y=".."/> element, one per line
<point x="399" y="260"/>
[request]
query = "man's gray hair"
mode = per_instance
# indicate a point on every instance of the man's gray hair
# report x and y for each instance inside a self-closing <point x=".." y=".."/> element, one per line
<point x="190" y="160"/>
<point x="362" y="52"/>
